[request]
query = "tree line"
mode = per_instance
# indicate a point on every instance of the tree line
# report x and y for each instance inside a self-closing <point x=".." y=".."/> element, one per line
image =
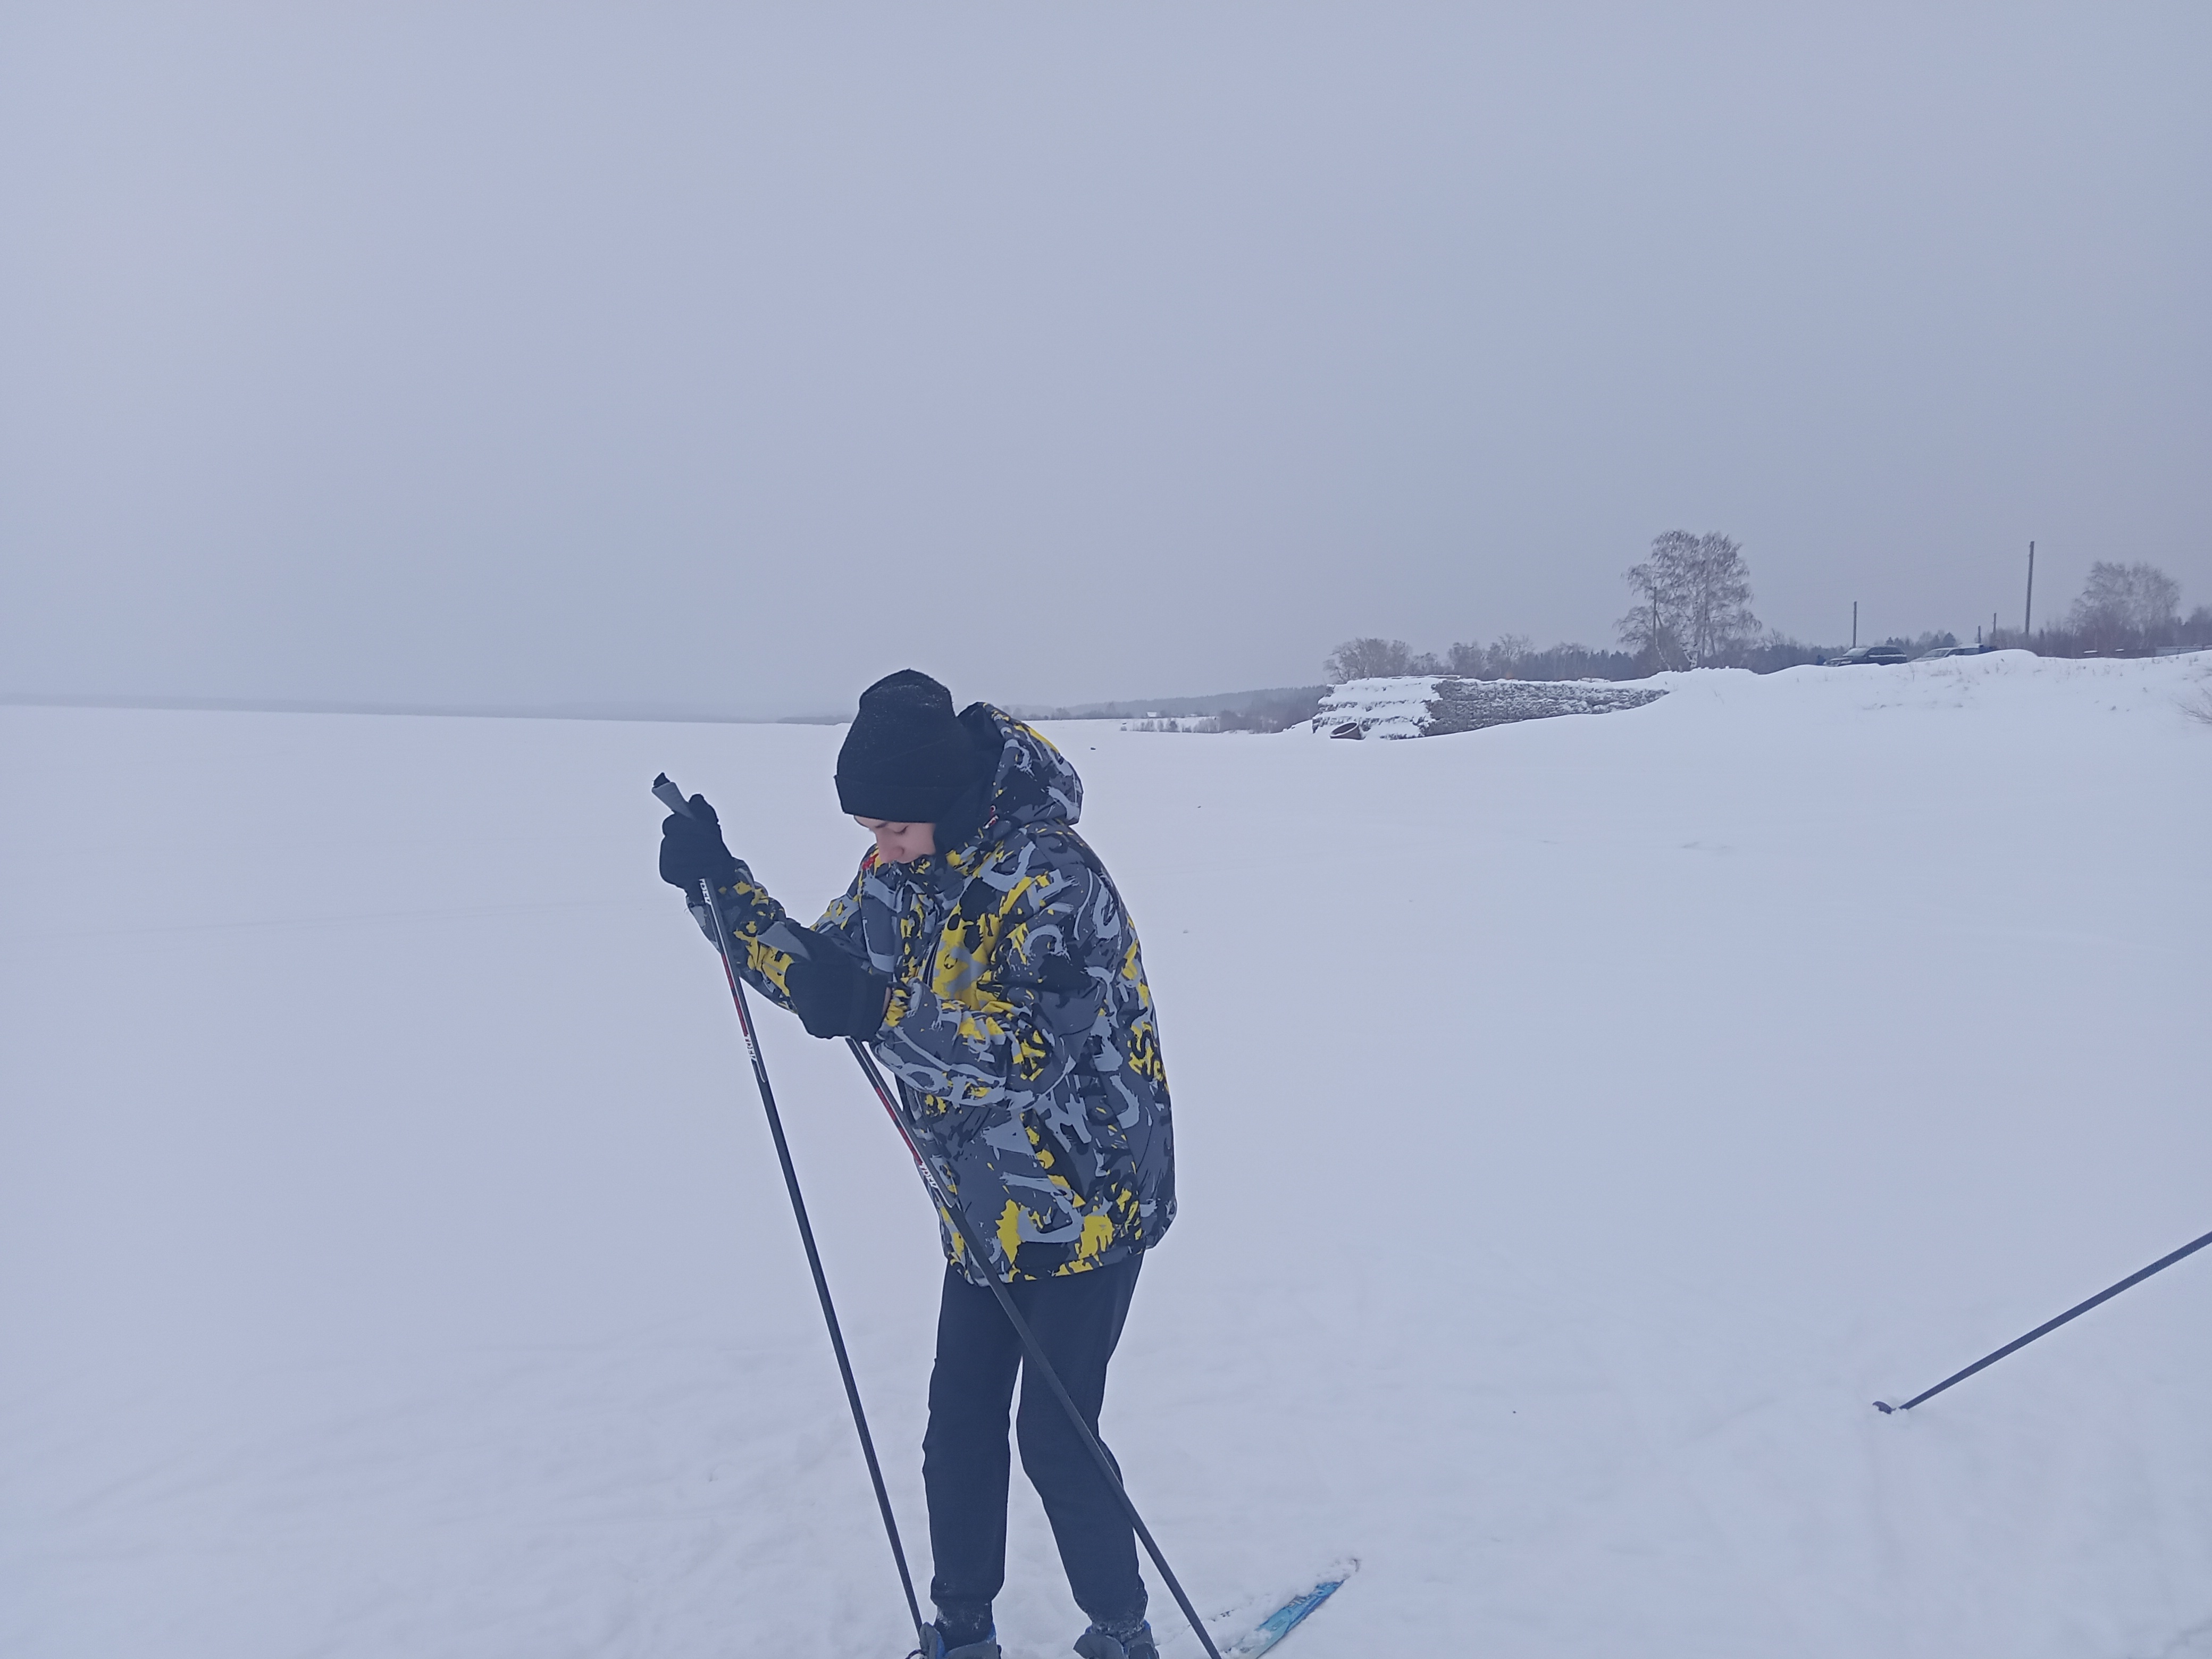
<point x="1692" y="609"/>
<point x="2122" y="610"/>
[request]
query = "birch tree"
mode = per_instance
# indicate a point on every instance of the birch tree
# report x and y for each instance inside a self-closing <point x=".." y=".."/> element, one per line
<point x="1693" y="601"/>
<point x="2125" y="605"/>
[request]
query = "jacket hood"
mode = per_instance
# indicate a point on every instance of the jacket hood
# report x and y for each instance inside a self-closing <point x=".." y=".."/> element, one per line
<point x="1035" y="783"/>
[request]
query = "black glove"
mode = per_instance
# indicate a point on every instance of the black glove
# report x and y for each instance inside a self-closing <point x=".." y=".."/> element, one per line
<point x="833" y="994"/>
<point x="691" y="847"/>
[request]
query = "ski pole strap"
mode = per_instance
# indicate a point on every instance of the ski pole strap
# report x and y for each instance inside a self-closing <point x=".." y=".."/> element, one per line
<point x="1032" y="1349"/>
<point x="2045" y="1329"/>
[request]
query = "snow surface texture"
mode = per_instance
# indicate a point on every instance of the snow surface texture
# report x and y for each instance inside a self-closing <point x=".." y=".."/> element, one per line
<point x="1439" y="705"/>
<point x="1582" y="1122"/>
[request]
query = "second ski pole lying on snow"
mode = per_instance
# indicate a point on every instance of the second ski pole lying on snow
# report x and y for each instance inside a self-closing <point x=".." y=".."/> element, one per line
<point x="2047" y="1327"/>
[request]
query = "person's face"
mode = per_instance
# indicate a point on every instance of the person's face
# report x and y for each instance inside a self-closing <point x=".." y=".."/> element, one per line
<point x="899" y="844"/>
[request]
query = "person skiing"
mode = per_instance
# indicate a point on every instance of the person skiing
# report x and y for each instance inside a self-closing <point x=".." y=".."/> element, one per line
<point x="983" y="953"/>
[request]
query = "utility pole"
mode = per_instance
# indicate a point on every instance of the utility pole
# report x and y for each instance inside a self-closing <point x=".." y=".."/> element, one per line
<point x="2027" y="620"/>
<point x="1855" y="625"/>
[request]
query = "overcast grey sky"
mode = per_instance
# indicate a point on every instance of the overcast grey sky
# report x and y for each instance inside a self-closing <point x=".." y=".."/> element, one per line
<point x="655" y="354"/>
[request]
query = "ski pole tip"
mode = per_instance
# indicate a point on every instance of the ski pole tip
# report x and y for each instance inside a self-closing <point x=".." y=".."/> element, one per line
<point x="1885" y="1408"/>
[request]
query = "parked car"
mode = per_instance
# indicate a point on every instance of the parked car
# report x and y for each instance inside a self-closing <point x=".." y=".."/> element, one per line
<point x="1952" y="650"/>
<point x="1881" y="654"/>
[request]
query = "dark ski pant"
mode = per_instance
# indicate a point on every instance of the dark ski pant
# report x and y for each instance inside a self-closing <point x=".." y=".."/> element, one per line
<point x="1077" y="1321"/>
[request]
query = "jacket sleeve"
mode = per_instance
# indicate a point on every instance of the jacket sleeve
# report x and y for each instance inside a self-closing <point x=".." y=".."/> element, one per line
<point x="759" y="926"/>
<point x="1020" y="980"/>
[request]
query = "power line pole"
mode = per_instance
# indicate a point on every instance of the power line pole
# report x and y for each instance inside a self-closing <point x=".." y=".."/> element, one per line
<point x="2027" y="620"/>
<point x="1855" y="625"/>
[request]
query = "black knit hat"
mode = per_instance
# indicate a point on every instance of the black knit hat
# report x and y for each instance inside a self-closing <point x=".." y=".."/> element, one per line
<point x="907" y="759"/>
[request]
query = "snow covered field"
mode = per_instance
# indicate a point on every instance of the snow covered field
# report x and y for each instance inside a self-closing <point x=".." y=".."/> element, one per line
<point x="1581" y="1122"/>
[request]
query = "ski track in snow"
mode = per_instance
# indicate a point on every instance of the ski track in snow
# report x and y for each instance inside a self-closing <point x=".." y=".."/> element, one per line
<point x="1581" y="1122"/>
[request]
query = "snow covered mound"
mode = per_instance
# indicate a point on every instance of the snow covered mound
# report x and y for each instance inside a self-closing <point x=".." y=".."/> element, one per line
<point x="1437" y="705"/>
<point x="1580" y="1126"/>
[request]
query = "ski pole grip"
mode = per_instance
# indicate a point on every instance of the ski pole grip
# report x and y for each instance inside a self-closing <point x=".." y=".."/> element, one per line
<point x="670" y="796"/>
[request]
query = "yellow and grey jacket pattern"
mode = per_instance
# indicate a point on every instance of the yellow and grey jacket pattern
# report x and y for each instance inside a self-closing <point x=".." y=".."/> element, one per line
<point x="1019" y="1026"/>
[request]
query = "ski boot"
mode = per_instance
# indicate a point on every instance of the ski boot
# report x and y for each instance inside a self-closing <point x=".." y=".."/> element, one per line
<point x="933" y="1645"/>
<point x="1100" y="1643"/>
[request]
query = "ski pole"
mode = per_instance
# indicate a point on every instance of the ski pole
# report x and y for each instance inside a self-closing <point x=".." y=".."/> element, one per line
<point x="1031" y="1348"/>
<point x="673" y="798"/>
<point x="2045" y="1328"/>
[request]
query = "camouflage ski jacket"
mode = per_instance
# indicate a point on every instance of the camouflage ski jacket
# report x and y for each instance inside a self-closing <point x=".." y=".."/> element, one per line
<point x="1019" y="1026"/>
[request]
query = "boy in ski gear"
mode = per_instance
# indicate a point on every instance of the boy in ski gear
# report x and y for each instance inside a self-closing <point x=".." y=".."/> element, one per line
<point x="983" y="954"/>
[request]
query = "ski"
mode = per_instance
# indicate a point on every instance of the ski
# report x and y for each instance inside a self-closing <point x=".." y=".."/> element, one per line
<point x="1288" y="1617"/>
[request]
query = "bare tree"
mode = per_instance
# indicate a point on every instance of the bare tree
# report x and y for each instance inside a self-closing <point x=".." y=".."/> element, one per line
<point x="1693" y="596"/>
<point x="1510" y="654"/>
<point x="2125" y="605"/>
<point x="1368" y="659"/>
<point x="1468" y="658"/>
<point x="1651" y="629"/>
<point x="1716" y="592"/>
